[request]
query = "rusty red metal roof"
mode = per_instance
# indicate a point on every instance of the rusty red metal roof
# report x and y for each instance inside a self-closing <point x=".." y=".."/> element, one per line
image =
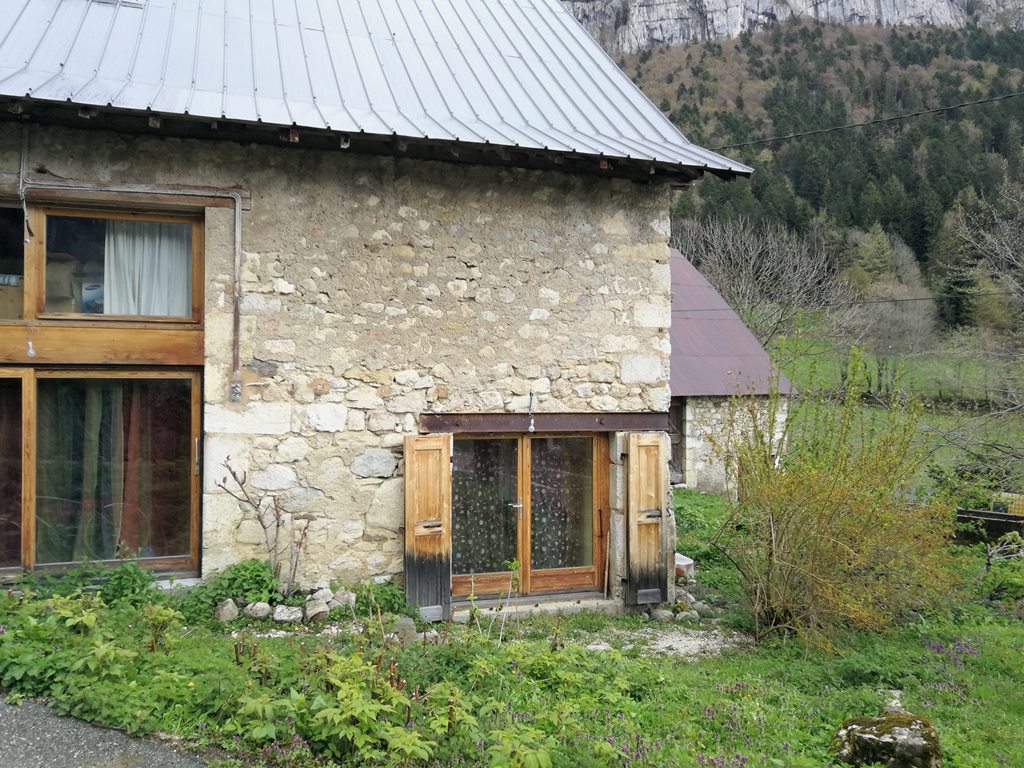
<point x="713" y="352"/>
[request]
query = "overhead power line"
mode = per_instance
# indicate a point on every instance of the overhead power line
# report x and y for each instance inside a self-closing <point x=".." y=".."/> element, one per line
<point x="864" y="302"/>
<point x="876" y="121"/>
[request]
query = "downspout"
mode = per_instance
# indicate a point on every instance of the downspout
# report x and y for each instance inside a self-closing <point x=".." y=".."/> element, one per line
<point x="236" y="308"/>
<point x="24" y="183"/>
<point x="22" y="179"/>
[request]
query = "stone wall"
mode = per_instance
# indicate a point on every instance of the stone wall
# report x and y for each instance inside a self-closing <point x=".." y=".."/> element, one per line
<point x="377" y="289"/>
<point x="712" y="425"/>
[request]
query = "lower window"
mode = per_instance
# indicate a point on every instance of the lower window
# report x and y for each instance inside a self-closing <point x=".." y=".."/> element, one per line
<point x="104" y="466"/>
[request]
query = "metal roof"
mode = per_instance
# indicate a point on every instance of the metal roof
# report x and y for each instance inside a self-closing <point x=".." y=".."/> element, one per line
<point x="713" y="352"/>
<point x="515" y="73"/>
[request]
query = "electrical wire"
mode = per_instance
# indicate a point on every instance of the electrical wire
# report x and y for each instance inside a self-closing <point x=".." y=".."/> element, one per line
<point x="876" y="121"/>
<point x="864" y="302"/>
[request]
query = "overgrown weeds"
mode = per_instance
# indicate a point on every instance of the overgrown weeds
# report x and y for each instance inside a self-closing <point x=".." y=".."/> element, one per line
<point x="540" y="697"/>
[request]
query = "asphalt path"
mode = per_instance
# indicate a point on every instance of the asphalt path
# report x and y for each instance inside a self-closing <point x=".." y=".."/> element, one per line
<point x="34" y="736"/>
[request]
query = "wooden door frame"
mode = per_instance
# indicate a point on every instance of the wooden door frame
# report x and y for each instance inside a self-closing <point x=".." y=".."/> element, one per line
<point x="554" y="580"/>
<point x="27" y="378"/>
<point x="30" y="378"/>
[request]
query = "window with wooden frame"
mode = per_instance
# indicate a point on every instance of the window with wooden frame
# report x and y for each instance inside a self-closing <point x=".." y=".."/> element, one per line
<point x="533" y="499"/>
<point x="101" y="353"/>
<point x="82" y="286"/>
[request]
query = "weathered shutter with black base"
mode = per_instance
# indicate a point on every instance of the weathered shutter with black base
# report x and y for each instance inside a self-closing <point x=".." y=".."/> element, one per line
<point x="428" y="524"/>
<point x="646" y="517"/>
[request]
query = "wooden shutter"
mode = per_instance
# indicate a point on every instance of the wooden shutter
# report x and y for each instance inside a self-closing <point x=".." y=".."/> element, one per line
<point x="428" y="524"/>
<point x="646" y="518"/>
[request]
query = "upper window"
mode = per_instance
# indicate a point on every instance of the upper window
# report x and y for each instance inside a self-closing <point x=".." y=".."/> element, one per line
<point x="118" y="266"/>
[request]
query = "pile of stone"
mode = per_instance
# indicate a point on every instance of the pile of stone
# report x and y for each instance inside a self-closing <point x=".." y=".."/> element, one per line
<point x="894" y="739"/>
<point x="317" y="607"/>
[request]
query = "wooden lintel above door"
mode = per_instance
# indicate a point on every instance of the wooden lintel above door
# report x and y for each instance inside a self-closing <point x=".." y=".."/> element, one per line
<point x="473" y="423"/>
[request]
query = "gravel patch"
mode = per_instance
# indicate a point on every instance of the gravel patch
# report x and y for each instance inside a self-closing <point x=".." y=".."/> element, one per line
<point x="681" y="642"/>
<point x="34" y="736"/>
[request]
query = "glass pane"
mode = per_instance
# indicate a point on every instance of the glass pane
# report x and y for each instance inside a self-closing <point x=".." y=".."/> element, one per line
<point x="485" y="520"/>
<point x="12" y="262"/>
<point x="117" y="267"/>
<point x="562" y="502"/>
<point x="10" y="472"/>
<point x="113" y="469"/>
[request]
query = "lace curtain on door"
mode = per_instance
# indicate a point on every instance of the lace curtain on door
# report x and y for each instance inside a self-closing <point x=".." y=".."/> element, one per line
<point x="562" y="499"/>
<point x="147" y="269"/>
<point x="485" y="520"/>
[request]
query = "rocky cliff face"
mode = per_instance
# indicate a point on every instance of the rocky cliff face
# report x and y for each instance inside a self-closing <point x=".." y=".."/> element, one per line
<point x="625" y="26"/>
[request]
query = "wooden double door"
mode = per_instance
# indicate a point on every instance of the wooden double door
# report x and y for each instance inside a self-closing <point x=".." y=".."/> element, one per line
<point x="527" y="513"/>
<point x="492" y="514"/>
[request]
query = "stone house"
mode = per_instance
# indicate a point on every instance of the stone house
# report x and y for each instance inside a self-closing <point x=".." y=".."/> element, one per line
<point x="715" y="358"/>
<point x="404" y="265"/>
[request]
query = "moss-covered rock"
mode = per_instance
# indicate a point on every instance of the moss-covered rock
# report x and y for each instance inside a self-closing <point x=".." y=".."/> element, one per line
<point x="895" y="740"/>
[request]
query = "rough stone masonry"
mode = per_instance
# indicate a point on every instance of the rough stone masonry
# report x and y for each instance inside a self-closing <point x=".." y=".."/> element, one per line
<point x="377" y="289"/>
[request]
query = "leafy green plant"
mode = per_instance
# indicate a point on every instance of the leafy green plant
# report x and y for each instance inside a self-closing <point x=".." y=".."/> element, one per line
<point x="105" y="660"/>
<point x="388" y="596"/>
<point x="49" y="583"/>
<point x="129" y="584"/>
<point x="967" y="484"/>
<point x="359" y="714"/>
<point x="1004" y="581"/>
<point x="79" y="611"/>
<point x="250" y="580"/>
<point x="160" y="620"/>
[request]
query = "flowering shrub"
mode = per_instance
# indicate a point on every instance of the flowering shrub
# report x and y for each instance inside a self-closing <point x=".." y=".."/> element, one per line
<point x="828" y="532"/>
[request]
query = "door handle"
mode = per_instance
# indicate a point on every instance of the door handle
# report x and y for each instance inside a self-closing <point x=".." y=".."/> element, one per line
<point x="518" y="506"/>
<point x="651" y="514"/>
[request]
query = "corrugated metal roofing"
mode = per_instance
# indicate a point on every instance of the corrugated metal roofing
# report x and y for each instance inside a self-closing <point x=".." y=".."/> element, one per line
<point x="713" y="352"/>
<point x="517" y="73"/>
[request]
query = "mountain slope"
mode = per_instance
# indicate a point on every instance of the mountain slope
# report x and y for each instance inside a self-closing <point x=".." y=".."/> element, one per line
<point x="627" y="26"/>
<point x="805" y="76"/>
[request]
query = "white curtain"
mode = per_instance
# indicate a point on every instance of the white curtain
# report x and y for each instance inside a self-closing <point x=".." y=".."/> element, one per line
<point x="148" y="269"/>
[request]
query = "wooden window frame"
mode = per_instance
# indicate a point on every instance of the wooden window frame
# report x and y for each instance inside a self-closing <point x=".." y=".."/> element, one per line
<point x="30" y="377"/>
<point x="36" y="260"/>
<point x="590" y="578"/>
<point x="41" y="338"/>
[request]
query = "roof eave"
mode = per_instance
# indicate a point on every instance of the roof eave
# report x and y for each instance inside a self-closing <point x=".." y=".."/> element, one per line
<point x="88" y="116"/>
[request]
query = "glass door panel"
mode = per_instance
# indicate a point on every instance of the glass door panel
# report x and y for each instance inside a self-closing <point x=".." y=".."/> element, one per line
<point x="10" y="472"/>
<point x="114" y="468"/>
<point x="561" y="502"/>
<point x="485" y="506"/>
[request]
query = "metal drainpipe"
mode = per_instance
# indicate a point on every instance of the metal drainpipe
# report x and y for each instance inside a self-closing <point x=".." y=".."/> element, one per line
<point x="24" y="184"/>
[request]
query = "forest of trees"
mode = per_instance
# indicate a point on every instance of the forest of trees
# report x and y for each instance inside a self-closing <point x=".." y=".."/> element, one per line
<point x="903" y="177"/>
<point x="920" y="221"/>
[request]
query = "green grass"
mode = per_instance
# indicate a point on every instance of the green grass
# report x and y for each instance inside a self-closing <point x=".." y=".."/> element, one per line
<point x="954" y="385"/>
<point x="698" y="518"/>
<point x="945" y="373"/>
